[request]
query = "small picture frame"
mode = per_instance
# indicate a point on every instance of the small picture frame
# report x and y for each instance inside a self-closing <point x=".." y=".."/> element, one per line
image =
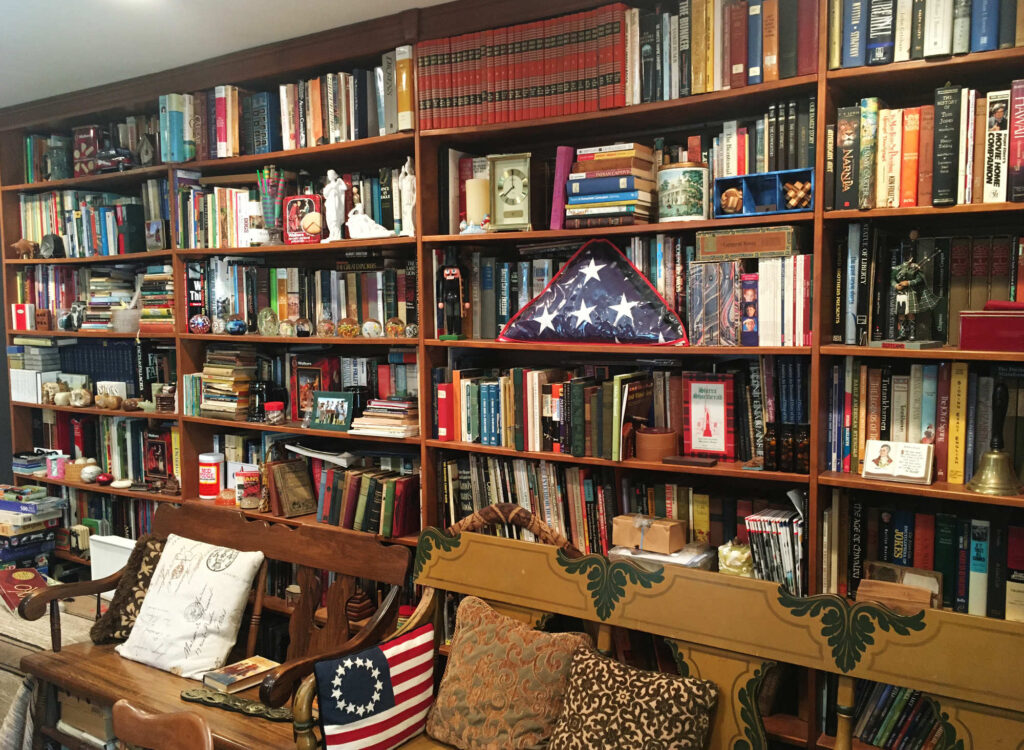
<point x="332" y="410"/>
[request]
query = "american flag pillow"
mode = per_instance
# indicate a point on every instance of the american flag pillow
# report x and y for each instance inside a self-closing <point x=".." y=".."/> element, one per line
<point x="377" y="699"/>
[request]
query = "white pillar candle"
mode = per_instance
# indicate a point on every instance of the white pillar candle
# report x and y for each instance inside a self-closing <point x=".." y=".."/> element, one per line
<point x="478" y="200"/>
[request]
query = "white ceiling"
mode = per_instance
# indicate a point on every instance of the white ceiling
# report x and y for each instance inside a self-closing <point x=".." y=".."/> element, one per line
<point x="50" y="47"/>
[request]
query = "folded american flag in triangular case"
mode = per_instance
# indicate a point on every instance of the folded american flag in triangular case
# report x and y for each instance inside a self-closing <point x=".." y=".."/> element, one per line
<point x="378" y="698"/>
<point x="598" y="296"/>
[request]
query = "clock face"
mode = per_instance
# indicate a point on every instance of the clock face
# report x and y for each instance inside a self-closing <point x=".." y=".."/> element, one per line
<point x="512" y="186"/>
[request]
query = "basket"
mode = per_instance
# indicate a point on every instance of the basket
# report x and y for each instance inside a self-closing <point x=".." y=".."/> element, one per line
<point x="73" y="472"/>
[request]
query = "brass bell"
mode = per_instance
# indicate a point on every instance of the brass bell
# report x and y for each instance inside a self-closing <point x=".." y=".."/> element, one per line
<point x="995" y="474"/>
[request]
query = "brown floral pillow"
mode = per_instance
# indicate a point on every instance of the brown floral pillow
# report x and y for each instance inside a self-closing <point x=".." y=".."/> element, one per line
<point x="504" y="683"/>
<point x="610" y="705"/>
<point x="115" y="625"/>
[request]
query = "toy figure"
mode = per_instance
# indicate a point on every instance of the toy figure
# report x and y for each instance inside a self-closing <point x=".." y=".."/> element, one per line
<point x="912" y="296"/>
<point x="451" y="294"/>
<point x="334" y="206"/>
<point x="407" y="187"/>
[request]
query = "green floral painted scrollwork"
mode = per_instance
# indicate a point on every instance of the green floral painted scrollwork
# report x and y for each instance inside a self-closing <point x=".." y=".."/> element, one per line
<point x="680" y="660"/>
<point x="607" y="580"/>
<point x="948" y="739"/>
<point x="849" y="627"/>
<point x="432" y="538"/>
<point x="750" y="714"/>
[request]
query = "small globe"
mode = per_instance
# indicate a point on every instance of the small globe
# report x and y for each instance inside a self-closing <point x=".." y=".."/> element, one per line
<point x="199" y="324"/>
<point x="348" y="328"/>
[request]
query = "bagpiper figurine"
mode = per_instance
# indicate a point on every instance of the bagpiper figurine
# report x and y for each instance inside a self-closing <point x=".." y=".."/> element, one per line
<point x="913" y="296"/>
<point x="451" y="295"/>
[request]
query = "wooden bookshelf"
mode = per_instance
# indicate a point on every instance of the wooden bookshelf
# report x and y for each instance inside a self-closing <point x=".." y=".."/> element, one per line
<point x="901" y="83"/>
<point x="62" y="554"/>
<point x="99" y="489"/>
<point x="162" y="415"/>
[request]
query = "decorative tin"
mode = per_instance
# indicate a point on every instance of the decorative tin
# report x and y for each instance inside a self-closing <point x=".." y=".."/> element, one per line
<point x="682" y="192"/>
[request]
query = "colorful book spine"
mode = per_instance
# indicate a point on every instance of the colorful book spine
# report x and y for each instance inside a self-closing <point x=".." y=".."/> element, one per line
<point x="957" y="436"/>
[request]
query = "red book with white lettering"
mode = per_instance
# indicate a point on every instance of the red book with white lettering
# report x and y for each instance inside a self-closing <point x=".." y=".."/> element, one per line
<point x="444" y="411"/>
<point x="17" y="583"/>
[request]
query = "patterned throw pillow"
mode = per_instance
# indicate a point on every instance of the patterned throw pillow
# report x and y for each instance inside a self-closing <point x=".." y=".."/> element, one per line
<point x="504" y="682"/>
<point x="190" y="616"/>
<point x="378" y="697"/>
<point x="611" y="705"/>
<point x="116" y="623"/>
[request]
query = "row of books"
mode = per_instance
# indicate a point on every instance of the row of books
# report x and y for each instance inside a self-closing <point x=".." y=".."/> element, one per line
<point x="881" y="32"/>
<point x="378" y="501"/>
<point x="228" y="121"/>
<point x="114" y="135"/>
<point x="587" y="205"/>
<point x="970" y="563"/>
<point x="136" y="364"/>
<point x="388" y="417"/>
<point x="128" y="518"/>
<point x="156" y="299"/>
<point x="897" y="717"/>
<point x="782" y="138"/>
<point x="209" y="216"/>
<point x="608" y="57"/>
<point x="372" y="289"/>
<point x="948" y="404"/>
<point x="590" y="411"/>
<point x="953" y="152"/>
<point x="729" y="304"/>
<point x="947" y="275"/>
<point x="50" y="287"/>
<point x="89" y="223"/>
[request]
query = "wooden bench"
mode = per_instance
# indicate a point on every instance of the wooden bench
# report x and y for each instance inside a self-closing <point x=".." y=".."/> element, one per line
<point x="101" y="675"/>
<point x="729" y="631"/>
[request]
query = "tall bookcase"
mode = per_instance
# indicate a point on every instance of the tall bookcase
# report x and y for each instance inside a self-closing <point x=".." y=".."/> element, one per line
<point x="902" y="84"/>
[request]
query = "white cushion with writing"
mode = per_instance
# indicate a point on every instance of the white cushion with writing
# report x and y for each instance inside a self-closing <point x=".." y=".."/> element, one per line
<point x="190" y="616"/>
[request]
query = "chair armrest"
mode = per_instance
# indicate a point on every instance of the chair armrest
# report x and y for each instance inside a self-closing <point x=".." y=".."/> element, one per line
<point x="278" y="686"/>
<point x="33" y="606"/>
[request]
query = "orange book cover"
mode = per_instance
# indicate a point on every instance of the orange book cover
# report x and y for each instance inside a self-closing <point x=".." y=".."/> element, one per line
<point x="925" y="153"/>
<point x="911" y="144"/>
<point x="770" y="39"/>
<point x="980" y="128"/>
<point x="315" y="110"/>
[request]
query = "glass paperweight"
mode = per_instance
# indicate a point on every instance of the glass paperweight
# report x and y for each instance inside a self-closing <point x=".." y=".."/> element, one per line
<point x="199" y="324"/>
<point x="348" y="328"/>
<point x="236" y="325"/>
<point x="325" y="324"/>
<point x="372" y="329"/>
<point x="220" y="324"/>
<point x="287" y="328"/>
<point x="303" y="328"/>
<point x="412" y="331"/>
<point x="394" y="328"/>
<point x="267" y="322"/>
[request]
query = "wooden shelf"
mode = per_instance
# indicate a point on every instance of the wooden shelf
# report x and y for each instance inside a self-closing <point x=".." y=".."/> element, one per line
<point x="791" y="730"/>
<point x="931" y="72"/>
<point x="722" y="468"/>
<point x="945" y="352"/>
<point x="137" y="494"/>
<point x="297" y="428"/>
<point x="61" y="554"/>
<point x="829" y="742"/>
<point x="163" y="415"/>
<point x="92" y="334"/>
<point x="93" y="259"/>
<point x="328" y="340"/>
<point x="669" y="227"/>
<point x="105" y="181"/>
<point x="324" y="248"/>
<point x="653" y="350"/>
<point x="932" y="212"/>
<point x="940" y="490"/>
<point x="364" y="149"/>
<point x="675" y="113"/>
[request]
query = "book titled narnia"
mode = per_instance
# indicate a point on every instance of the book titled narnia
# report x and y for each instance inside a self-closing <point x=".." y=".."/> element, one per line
<point x="708" y="424"/>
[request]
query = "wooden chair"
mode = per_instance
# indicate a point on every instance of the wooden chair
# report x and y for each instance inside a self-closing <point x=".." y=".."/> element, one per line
<point x="177" y="731"/>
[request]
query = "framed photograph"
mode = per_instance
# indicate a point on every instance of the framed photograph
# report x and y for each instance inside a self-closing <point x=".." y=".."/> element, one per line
<point x="332" y="410"/>
<point x="708" y="419"/>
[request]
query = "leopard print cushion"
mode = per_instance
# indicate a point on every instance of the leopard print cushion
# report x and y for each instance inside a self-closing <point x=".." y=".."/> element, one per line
<point x="610" y="705"/>
<point x="504" y="682"/>
<point x="115" y="625"/>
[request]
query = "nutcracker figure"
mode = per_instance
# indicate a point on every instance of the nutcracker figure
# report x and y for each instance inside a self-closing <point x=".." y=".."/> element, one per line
<point x="451" y="295"/>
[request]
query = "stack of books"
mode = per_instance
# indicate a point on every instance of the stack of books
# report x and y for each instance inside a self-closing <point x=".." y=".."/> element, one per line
<point x="225" y="382"/>
<point x="27" y="521"/>
<point x="610" y="186"/>
<point x="388" y="418"/>
<point x="41" y="358"/>
<point x="109" y="288"/>
<point x="27" y="463"/>
<point x="156" y="299"/>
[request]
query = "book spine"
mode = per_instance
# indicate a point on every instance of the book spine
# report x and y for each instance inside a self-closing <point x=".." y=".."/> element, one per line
<point x="984" y="25"/>
<point x="854" y="33"/>
<point x="996" y="147"/>
<point x="847" y="156"/>
<point x="917" y="15"/>
<point x="996" y="598"/>
<point x="911" y="153"/>
<point x="755" y="32"/>
<point x="957" y="434"/>
<point x="945" y="167"/>
<point x="962" y="26"/>
<point x="880" y="43"/>
<point x="868" y="152"/>
<point x="938" y="28"/>
<point x="1015" y="190"/>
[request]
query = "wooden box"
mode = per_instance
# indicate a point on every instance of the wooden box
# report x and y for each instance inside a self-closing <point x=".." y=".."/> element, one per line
<point x="664" y="535"/>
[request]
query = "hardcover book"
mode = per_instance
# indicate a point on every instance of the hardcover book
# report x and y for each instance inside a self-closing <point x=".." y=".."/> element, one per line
<point x="244" y="674"/>
<point x="708" y="422"/>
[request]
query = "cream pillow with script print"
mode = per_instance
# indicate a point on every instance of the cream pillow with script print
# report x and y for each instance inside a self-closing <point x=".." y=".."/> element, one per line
<point x="190" y="616"/>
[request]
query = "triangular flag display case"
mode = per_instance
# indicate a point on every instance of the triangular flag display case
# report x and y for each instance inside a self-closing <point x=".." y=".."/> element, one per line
<point x="599" y="309"/>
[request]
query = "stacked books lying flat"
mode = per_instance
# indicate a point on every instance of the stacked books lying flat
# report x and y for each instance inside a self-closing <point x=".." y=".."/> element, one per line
<point x="610" y="186"/>
<point x="156" y="300"/>
<point x="388" y="418"/>
<point x="28" y="517"/>
<point x="225" y="382"/>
